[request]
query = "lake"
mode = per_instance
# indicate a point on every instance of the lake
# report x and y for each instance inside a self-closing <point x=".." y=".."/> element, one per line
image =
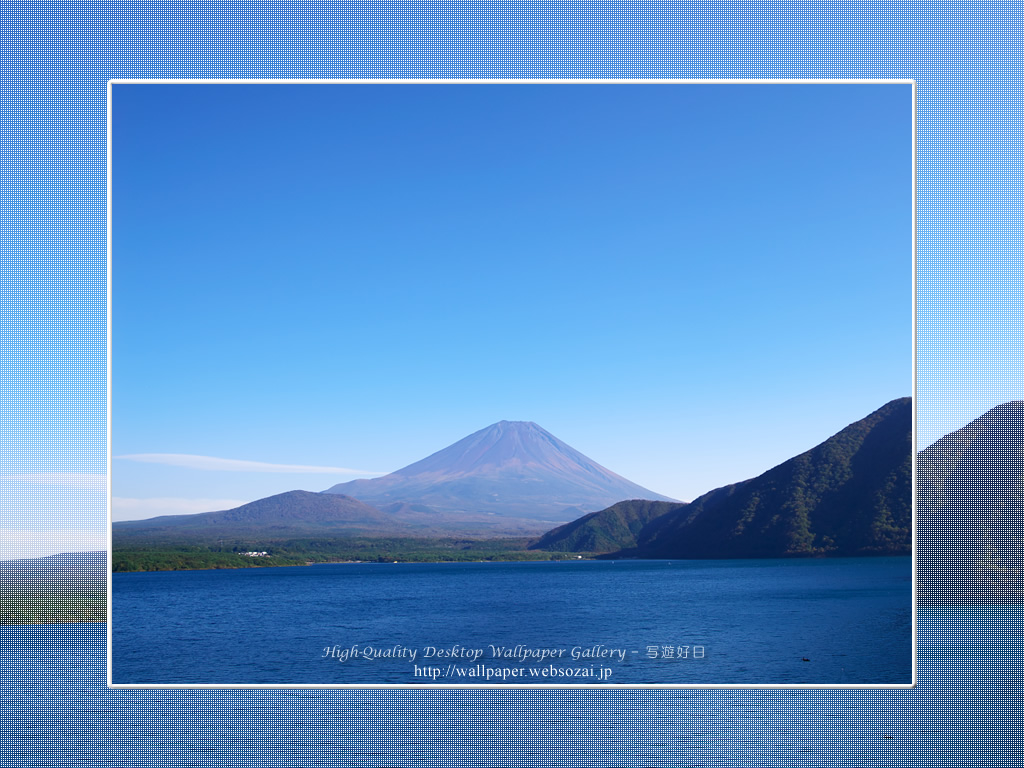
<point x="55" y="710"/>
<point x="711" y="622"/>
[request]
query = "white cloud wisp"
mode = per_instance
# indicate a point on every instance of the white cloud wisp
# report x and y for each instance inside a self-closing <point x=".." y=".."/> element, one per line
<point x="214" y="464"/>
<point x="67" y="479"/>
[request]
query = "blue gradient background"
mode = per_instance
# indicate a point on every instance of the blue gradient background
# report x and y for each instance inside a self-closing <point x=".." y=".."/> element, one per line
<point x="56" y="60"/>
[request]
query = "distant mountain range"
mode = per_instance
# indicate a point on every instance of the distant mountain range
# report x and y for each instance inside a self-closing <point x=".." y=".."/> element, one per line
<point x="850" y="495"/>
<point x="512" y="469"/>
<point x="511" y="479"/>
<point x="290" y="514"/>
<point x="88" y="566"/>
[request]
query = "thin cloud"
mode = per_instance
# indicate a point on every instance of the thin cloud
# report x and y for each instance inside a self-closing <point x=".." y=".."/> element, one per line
<point x="74" y="479"/>
<point x="214" y="464"/>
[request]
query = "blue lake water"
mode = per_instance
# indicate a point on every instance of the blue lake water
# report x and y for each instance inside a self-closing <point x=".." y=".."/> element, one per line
<point x="752" y="622"/>
<point x="55" y="710"/>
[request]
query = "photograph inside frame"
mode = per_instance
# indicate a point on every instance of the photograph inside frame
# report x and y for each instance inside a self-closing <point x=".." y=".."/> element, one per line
<point x="601" y="384"/>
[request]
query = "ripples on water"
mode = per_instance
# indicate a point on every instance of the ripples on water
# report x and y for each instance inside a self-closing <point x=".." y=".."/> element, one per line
<point x="56" y="710"/>
<point x="754" y="620"/>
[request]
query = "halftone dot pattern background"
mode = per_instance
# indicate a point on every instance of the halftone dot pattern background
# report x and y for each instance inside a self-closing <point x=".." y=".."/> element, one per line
<point x="56" y="60"/>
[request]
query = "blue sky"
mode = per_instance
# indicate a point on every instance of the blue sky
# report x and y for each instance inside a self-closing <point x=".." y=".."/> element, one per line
<point x="687" y="283"/>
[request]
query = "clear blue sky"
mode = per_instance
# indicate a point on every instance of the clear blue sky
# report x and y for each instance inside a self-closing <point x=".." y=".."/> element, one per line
<point x="687" y="283"/>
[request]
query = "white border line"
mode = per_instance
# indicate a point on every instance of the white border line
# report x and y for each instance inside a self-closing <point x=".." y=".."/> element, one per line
<point x="913" y="377"/>
<point x="532" y="686"/>
<point x="110" y="327"/>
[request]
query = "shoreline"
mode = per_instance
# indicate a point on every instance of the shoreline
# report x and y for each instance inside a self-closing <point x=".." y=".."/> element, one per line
<point x="572" y="558"/>
<point x="575" y="558"/>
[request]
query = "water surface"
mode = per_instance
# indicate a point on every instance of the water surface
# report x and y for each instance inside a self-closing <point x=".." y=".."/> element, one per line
<point x="55" y="710"/>
<point x="755" y="622"/>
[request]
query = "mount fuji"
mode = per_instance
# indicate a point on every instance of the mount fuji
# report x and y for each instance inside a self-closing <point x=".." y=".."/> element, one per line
<point x="512" y="469"/>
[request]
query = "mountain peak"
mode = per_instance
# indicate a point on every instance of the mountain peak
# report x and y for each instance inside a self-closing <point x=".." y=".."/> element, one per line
<point x="510" y="468"/>
<point x="503" y="445"/>
<point x="514" y="426"/>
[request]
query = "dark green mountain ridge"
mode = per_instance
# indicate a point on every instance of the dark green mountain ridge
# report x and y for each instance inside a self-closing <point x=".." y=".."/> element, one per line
<point x="971" y="512"/>
<point x="610" y="530"/>
<point x="848" y="496"/>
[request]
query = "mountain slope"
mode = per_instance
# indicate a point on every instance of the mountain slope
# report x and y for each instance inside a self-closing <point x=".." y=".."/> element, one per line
<point x="609" y="530"/>
<point x="294" y="513"/>
<point x="850" y="495"/>
<point x="57" y="589"/>
<point x="511" y="469"/>
<point x="971" y="511"/>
